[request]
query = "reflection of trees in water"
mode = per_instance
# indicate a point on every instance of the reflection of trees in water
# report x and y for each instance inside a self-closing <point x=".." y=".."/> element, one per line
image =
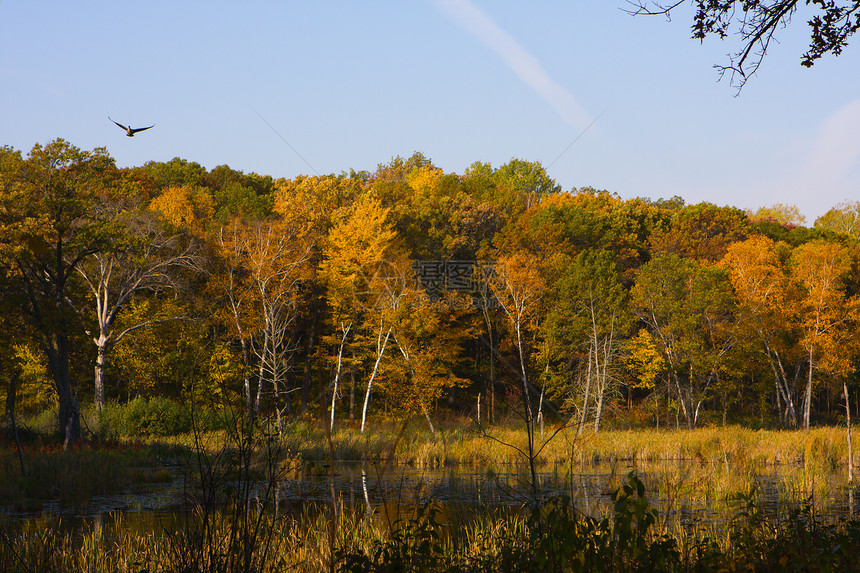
<point x="462" y="494"/>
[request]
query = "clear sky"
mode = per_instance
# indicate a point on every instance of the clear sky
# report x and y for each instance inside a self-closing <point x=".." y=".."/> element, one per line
<point x="285" y="88"/>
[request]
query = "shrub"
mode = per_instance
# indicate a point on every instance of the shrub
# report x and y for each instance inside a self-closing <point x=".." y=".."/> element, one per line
<point x="156" y="416"/>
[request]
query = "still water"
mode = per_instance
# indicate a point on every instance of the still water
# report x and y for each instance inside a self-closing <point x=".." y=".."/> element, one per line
<point x="395" y="492"/>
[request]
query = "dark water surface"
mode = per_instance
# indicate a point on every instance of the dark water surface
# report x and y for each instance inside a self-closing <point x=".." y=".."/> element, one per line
<point x="362" y="486"/>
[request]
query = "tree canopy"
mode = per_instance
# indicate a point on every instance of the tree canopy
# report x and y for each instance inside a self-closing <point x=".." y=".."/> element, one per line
<point x="411" y="291"/>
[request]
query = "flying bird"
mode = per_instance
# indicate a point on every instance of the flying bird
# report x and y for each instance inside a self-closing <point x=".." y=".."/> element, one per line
<point x="129" y="131"/>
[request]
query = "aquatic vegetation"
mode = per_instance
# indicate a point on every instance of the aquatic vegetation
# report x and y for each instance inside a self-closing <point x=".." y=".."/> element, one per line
<point x="234" y="524"/>
<point x="550" y="536"/>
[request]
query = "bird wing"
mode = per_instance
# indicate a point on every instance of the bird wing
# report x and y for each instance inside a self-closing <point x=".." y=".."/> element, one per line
<point x="136" y="129"/>
<point x="119" y="124"/>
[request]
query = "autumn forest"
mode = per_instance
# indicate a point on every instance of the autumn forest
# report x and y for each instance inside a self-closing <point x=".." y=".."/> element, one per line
<point x="408" y="291"/>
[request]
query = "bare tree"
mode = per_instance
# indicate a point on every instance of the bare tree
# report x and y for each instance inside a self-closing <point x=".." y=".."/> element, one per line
<point x="519" y="288"/>
<point x="266" y="266"/>
<point x="149" y="259"/>
<point x="276" y="256"/>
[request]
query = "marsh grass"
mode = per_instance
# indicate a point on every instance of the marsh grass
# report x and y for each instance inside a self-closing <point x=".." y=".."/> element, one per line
<point x="463" y="444"/>
<point x="734" y="448"/>
<point x="549" y="536"/>
<point x="705" y="464"/>
<point x="73" y="477"/>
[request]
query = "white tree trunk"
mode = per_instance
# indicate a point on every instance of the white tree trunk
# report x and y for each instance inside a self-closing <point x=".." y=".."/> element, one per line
<point x="807" y="398"/>
<point x="345" y="332"/>
<point x="848" y="426"/>
<point x="380" y="349"/>
<point x="100" y="368"/>
<point x="585" y="399"/>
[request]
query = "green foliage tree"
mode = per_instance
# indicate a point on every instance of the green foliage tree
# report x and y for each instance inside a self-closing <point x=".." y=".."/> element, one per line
<point x="589" y="317"/>
<point x="50" y="222"/>
<point x="843" y="218"/>
<point x="175" y="173"/>
<point x="688" y="308"/>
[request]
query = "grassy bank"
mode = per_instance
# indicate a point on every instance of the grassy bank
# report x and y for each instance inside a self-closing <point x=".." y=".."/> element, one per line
<point x="460" y="442"/>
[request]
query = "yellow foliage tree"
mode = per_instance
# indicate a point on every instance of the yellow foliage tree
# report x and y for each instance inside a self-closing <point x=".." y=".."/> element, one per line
<point x="185" y="206"/>
<point x="644" y="360"/>
<point x="767" y="300"/>
<point x="424" y="180"/>
<point x="313" y="200"/>
<point x="827" y="316"/>
<point x="355" y="256"/>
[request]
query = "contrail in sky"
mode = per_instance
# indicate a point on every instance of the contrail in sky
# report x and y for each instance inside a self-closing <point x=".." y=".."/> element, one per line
<point x="517" y="58"/>
<point x="285" y="141"/>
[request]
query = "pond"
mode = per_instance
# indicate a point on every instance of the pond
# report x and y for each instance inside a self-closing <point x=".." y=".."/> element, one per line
<point x="395" y="492"/>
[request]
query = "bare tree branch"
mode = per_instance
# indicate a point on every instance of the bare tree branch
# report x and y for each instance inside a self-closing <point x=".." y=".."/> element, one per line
<point x="756" y="22"/>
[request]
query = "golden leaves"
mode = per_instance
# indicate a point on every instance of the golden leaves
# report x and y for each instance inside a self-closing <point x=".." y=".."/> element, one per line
<point x="185" y="206"/>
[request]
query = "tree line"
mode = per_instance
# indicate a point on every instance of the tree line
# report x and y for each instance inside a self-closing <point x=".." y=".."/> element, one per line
<point x="408" y="290"/>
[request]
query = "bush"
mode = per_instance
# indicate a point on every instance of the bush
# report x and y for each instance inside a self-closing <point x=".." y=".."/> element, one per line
<point x="555" y="538"/>
<point x="156" y="416"/>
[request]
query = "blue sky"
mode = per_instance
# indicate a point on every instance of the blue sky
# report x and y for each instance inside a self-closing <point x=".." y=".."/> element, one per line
<point x="349" y="85"/>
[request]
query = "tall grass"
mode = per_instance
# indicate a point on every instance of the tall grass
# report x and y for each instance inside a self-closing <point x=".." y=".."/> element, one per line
<point x="73" y="477"/>
<point x="816" y="449"/>
<point x="547" y="537"/>
<point x="704" y="464"/>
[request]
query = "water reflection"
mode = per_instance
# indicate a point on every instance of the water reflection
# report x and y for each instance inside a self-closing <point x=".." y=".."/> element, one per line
<point x="394" y="493"/>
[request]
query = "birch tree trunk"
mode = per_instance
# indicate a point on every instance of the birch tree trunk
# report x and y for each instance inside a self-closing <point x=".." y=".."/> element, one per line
<point x="601" y="386"/>
<point x="585" y="399"/>
<point x="848" y="427"/>
<point x="380" y="350"/>
<point x="99" y="375"/>
<point x="337" y="372"/>
<point x="807" y="397"/>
